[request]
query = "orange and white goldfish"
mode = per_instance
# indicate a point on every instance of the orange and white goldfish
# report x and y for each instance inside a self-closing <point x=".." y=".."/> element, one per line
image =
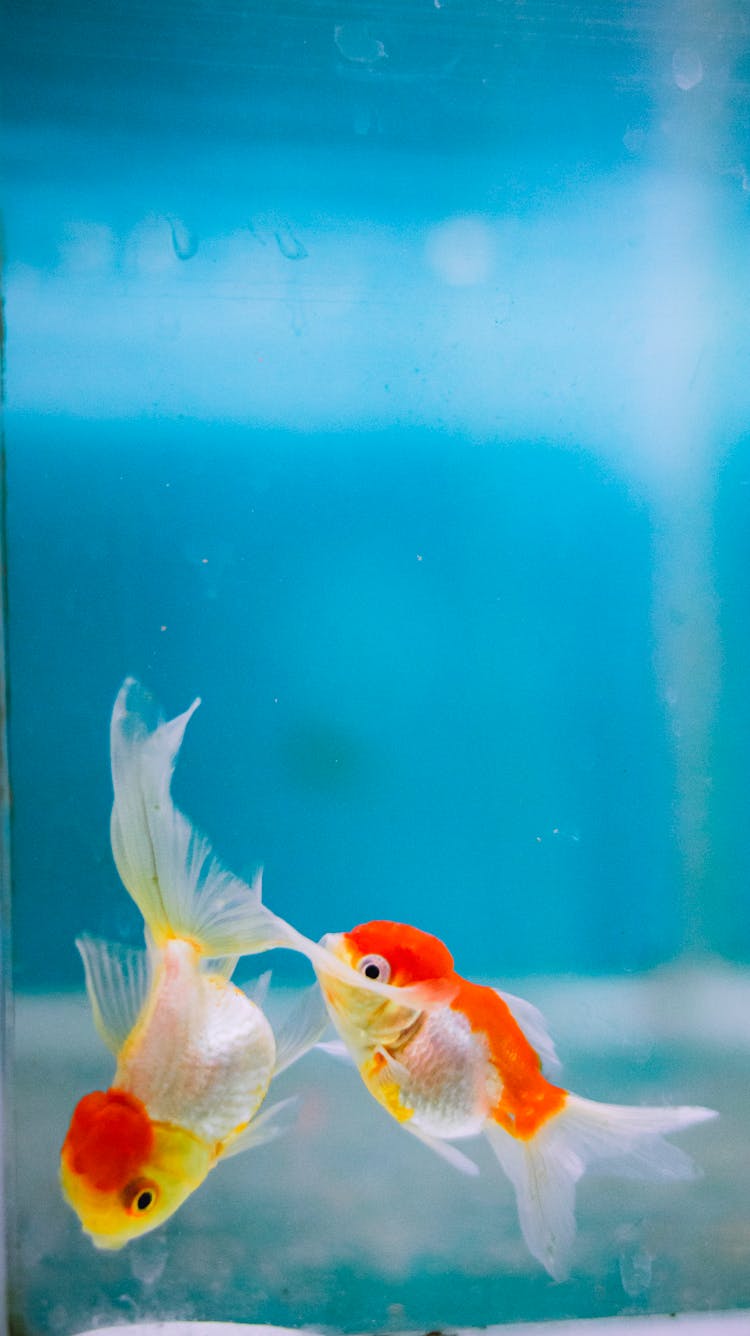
<point x="195" y="1055"/>
<point x="456" y="1059"/>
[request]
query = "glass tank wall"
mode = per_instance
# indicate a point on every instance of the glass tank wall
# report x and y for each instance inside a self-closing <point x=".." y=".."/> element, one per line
<point x="378" y="372"/>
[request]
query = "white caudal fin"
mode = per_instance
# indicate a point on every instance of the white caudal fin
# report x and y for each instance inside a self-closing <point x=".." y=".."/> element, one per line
<point x="165" y="864"/>
<point x="171" y="873"/>
<point x="618" y="1139"/>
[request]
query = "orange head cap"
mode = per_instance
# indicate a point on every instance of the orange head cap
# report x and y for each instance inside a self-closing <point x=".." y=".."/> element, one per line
<point x="393" y="954"/>
<point x="122" y="1173"/>
<point x="412" y="956"/>
<point x="109" y="1138"/>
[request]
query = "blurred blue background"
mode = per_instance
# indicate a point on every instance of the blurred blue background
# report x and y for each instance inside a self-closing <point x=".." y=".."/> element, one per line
<point x="379" y="373"/>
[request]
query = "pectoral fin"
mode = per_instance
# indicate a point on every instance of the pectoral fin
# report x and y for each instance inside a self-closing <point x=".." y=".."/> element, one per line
<point x="301" y="1029"/>
<point x="266" y="1127"/>
<point x="336" y="1048"/>
<point x="384" y="1077"/>
<point x="118" y="979"/>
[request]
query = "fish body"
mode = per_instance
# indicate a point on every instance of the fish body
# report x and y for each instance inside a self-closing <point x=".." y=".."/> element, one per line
<point x="436" y="1079"/>
<point x="195" y="1055"/>
<point x="190" y="1077"/>
<point x="203" y="1053"/>
<point x="470" y="1061"/>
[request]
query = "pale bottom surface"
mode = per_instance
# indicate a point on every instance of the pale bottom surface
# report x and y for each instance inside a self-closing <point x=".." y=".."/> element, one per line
<point x="685" y="1324"/>
<point x="347" y="1224"/>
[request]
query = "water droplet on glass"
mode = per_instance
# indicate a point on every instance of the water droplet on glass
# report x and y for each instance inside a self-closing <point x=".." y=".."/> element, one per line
<point x="362" y="121"/>
<point x="256" y="234"/>
<point x="88" y="247"/>
<point x="687" y="68"/>
<point x="634" y="139"/>
<point x="297" y="319"/>
<point x="461" y="251"/>
<point x="290" y="246"/>
<point x="635" y="1271"/>
<point x="356" y="44"/>
<point x="740" y="173"/>
<point x="184" y="242"/>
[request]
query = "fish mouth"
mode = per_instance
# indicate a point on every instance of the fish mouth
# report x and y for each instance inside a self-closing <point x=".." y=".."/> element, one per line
<point x="331" y="940"/>
<point x="332" y="986"/>
<point x="107" y="1244"/>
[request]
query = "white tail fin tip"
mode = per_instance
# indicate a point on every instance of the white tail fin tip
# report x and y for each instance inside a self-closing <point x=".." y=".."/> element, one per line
<point x="623" y="1140"/>
<point x="165" y="864"/>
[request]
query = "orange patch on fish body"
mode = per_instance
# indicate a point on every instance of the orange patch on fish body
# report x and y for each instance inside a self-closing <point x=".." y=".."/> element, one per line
<point x="467" y="1066"/>
<point x="527" y="1099"/>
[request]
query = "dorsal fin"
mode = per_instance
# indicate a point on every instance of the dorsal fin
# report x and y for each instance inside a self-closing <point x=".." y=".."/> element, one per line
<point x="534" y="1026"/>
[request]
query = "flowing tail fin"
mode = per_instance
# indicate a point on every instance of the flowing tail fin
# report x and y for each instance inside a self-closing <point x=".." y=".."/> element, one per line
<point x="623" y="1140"/>
<point x="165" y="864"/>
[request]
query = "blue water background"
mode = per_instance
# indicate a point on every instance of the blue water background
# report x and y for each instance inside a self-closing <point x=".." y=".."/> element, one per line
<point x="425" y="689"/>
<point x="378" y="372"/>
<point x="266" y="445"/>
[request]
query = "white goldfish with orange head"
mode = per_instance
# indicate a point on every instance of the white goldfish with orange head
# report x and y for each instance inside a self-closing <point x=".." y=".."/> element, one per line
<point x="195" y="1055"/>
<point x="450" y="1059"/>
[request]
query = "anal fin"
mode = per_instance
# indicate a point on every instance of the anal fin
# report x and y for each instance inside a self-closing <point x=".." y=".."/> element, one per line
<point x="446" y="1150"/>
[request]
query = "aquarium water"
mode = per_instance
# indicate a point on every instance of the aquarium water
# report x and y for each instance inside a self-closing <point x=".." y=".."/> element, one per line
<point x="378" y="372"/>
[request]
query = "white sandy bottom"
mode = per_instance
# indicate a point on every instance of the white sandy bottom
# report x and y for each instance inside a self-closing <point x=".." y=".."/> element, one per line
<point x="691" y="1324"/>
<point x="347" y="1225"/>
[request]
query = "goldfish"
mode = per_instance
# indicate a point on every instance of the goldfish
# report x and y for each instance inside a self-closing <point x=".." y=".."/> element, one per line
<point x="450" y="1059"/>
<point x="195" y="1055"/>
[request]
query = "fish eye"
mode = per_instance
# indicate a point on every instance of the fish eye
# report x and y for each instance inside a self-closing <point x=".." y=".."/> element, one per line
<point x="375" y="967"/>
<point x="139" y="1196"/>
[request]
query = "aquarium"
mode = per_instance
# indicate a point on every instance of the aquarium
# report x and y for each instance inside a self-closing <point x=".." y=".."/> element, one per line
<point x="377" y="373"/>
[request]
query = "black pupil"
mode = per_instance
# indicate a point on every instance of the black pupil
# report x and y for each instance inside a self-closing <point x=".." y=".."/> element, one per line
<point x="144" y="1200"/>
<point x="372" y="971"/>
